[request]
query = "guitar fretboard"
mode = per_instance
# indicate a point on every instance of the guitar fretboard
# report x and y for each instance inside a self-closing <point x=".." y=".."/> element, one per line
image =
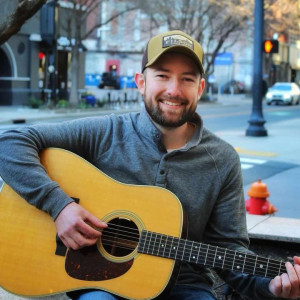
<point x="157" y="244"/>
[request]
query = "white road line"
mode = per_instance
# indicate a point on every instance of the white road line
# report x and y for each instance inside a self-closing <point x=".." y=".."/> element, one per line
<point x="252" y="160"/>
<point x="246" y="166"/>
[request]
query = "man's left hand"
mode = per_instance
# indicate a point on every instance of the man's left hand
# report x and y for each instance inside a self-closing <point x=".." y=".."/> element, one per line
<point x="287" y="285"/>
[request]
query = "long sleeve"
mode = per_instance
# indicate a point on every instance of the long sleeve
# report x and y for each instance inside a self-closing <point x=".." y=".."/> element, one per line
<point x="20" y="165"/>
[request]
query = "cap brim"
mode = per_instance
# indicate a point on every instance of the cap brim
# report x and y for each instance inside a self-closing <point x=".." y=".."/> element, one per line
<point x="180" y="49"/>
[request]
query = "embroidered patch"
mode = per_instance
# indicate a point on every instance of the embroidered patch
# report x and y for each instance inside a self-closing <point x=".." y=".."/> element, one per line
<point x="178" y="40"/>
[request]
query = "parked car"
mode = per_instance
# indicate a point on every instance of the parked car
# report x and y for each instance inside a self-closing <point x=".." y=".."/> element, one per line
<point x="109" y="80"/>
<point x="233" y="87"/>
<point x="283" y="93"/>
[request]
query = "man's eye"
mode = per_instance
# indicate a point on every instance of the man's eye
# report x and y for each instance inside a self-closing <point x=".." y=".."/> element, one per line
<point x="188" y="79"/>
<point x="161" y="75"/>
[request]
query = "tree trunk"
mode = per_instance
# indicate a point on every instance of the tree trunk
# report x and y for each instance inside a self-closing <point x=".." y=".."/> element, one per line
<point x="74" y="77"/>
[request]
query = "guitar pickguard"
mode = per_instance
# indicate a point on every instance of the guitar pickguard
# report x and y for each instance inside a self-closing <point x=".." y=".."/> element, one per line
<point x="89" y="264"/>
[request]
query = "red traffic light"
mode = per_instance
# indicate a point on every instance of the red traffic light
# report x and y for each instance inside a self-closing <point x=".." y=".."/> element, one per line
<point x="271" y="46"/>
<point x="41" y="55"/>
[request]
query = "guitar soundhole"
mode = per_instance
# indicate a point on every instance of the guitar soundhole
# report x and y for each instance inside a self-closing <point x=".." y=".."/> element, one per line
<point x="120" y="238"/>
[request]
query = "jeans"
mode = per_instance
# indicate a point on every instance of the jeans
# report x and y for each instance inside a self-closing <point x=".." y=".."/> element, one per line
<point x="179" y="292"/>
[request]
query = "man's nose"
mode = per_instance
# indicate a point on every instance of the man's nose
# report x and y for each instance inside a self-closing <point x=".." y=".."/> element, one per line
<point x="174" y="88"/>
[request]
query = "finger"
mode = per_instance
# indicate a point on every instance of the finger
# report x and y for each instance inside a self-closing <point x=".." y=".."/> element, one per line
<point x="87" y="230"/>
<point x="275" y="286"/>
<point x="94" y="221"/>
<point x="78" y="241"/>
<point x="297" y="260"/>
<point x="285" y="286"/>
<point x="293" y="275"/>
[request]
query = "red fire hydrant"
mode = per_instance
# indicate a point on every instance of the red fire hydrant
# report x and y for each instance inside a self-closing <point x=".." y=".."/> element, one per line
<point x="258" y="204"/>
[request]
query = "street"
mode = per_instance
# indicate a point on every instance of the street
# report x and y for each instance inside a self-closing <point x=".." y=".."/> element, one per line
<point x="259" y="157"/>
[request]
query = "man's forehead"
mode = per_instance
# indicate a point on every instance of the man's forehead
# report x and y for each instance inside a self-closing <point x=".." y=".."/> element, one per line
<point x="170" y="59"/>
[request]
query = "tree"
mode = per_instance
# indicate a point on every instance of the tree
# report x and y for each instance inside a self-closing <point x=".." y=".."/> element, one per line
<point x="282" y="17"/>
<point x="215" y="24"/>
<point x="218" y="25"/>
<point x="73" y="23"/>
<point x="18" y="14"/>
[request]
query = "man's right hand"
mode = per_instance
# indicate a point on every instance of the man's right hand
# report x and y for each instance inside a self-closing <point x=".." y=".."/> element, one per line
<point x="76" y="227"/>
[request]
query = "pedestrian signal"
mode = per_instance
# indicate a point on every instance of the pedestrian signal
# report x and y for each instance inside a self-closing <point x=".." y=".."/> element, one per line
<point x="271" y="46"/>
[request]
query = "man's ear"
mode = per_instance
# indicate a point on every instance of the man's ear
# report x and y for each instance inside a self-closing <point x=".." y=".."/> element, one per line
<point x="201" y="87"/>
<point x="139" y="79"/>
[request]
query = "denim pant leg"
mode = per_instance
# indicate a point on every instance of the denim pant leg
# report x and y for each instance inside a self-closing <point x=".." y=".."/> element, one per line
<point x="96" y="295"/>
<point x="181" y="292"/>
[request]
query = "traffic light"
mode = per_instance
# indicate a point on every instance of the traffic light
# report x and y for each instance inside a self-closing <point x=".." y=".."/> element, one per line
<point x="271" y="46"/>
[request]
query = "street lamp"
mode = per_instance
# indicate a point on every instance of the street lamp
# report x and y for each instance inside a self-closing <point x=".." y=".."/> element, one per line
<point x="256" y="122"/>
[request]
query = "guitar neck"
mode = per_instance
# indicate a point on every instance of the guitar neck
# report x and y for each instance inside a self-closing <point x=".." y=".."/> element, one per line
<point x="157" y="244"/>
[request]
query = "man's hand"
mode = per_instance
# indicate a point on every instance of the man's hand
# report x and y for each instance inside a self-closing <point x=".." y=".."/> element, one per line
<point x="76" y="227"/>
<point x="288" y="284"/>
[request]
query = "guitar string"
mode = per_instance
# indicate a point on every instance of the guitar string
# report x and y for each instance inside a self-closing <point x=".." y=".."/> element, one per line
<point x="237" y="259"/>
<point x="212" y="255"/>
<point x="211" y="259"/>
<point x="245" y="269"/>
<point x="261" y="272"/>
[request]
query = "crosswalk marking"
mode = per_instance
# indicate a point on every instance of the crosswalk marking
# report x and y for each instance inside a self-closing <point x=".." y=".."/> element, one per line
<point x="248" y="163"/>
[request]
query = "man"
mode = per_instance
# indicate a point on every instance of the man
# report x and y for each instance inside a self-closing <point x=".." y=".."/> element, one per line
<point x="165" y="145"/>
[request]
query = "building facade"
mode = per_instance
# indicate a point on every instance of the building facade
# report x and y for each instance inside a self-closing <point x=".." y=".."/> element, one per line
<point x="33" y="67"/>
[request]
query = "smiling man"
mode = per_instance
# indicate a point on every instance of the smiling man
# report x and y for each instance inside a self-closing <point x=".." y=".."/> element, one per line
<point x="165" y="145"/>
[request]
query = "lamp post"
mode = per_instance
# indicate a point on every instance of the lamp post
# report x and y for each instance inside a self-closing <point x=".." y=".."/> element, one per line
<point x="256" y="122"/>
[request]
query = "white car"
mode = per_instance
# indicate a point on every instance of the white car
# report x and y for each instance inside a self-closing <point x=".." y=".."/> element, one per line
<point x="283" y="92"/>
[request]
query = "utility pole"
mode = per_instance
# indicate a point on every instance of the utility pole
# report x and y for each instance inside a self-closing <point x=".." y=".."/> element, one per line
<point x="256" y="127"/>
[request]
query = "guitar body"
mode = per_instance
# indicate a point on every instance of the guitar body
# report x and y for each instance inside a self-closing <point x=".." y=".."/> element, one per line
<point x="29" y="265"/>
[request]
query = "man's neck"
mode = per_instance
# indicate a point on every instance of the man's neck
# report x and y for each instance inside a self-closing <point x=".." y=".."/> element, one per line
<point x="175" y="138"/>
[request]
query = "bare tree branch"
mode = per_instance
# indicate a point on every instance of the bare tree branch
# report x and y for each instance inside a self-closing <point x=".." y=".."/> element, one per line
<point x="13" y="23"/>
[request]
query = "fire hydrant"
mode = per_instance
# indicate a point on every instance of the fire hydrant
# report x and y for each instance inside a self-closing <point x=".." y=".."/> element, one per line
<point x="258" y="204"/>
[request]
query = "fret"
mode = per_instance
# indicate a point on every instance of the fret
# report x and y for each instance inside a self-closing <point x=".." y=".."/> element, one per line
<point x="232" y="267"/>
<point x="239" y="259"/>
<point x="267" y="267"/>
<point x="175" y="246"/>
<point x="224" y="259"/>
<point x="195" y="252"/>
<point x="219" y="257"/>
<point x="148" y="242"/>
<point x="274" y="268"/>
<point x="255" y="265"/>
<point x="198" y="255"/>
<point x="188" y="250"/>
<point x="170" y="245"/>
<point x="244" y="262"/>
<point x="142" y="241"/>
<point x="162" y="245"/>
<point x="282" y="264"/>
<point x="249" y="265"/>
<point x="191" y="251"/>
<point x="181" y="247"/>
<point x="202" y="254"/>
<point x="189" y="255"/>
<point x="206" y="254"/>
<point x="154" y="235"/>
<point x="215" y="256"/>
<point x="260" y="266"/>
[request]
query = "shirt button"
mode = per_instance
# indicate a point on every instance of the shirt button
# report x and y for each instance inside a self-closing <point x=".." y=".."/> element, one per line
<point x="162" y="172"/>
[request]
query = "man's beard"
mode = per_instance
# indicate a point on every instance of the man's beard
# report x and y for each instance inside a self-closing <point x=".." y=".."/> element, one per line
<point x="157" y="115"/>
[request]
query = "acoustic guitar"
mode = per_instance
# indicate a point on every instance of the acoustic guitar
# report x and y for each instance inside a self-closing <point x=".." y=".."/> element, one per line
<point x="138" y="255"/>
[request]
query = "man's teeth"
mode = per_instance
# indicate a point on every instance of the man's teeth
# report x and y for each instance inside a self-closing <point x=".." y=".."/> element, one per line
<point x="171" y="103"/>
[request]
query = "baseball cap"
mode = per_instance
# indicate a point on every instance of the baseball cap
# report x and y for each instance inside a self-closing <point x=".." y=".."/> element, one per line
<point x="176" y="41"/>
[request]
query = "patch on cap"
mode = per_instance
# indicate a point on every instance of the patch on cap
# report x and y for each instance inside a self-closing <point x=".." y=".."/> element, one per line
<point x="177" y="40"/>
